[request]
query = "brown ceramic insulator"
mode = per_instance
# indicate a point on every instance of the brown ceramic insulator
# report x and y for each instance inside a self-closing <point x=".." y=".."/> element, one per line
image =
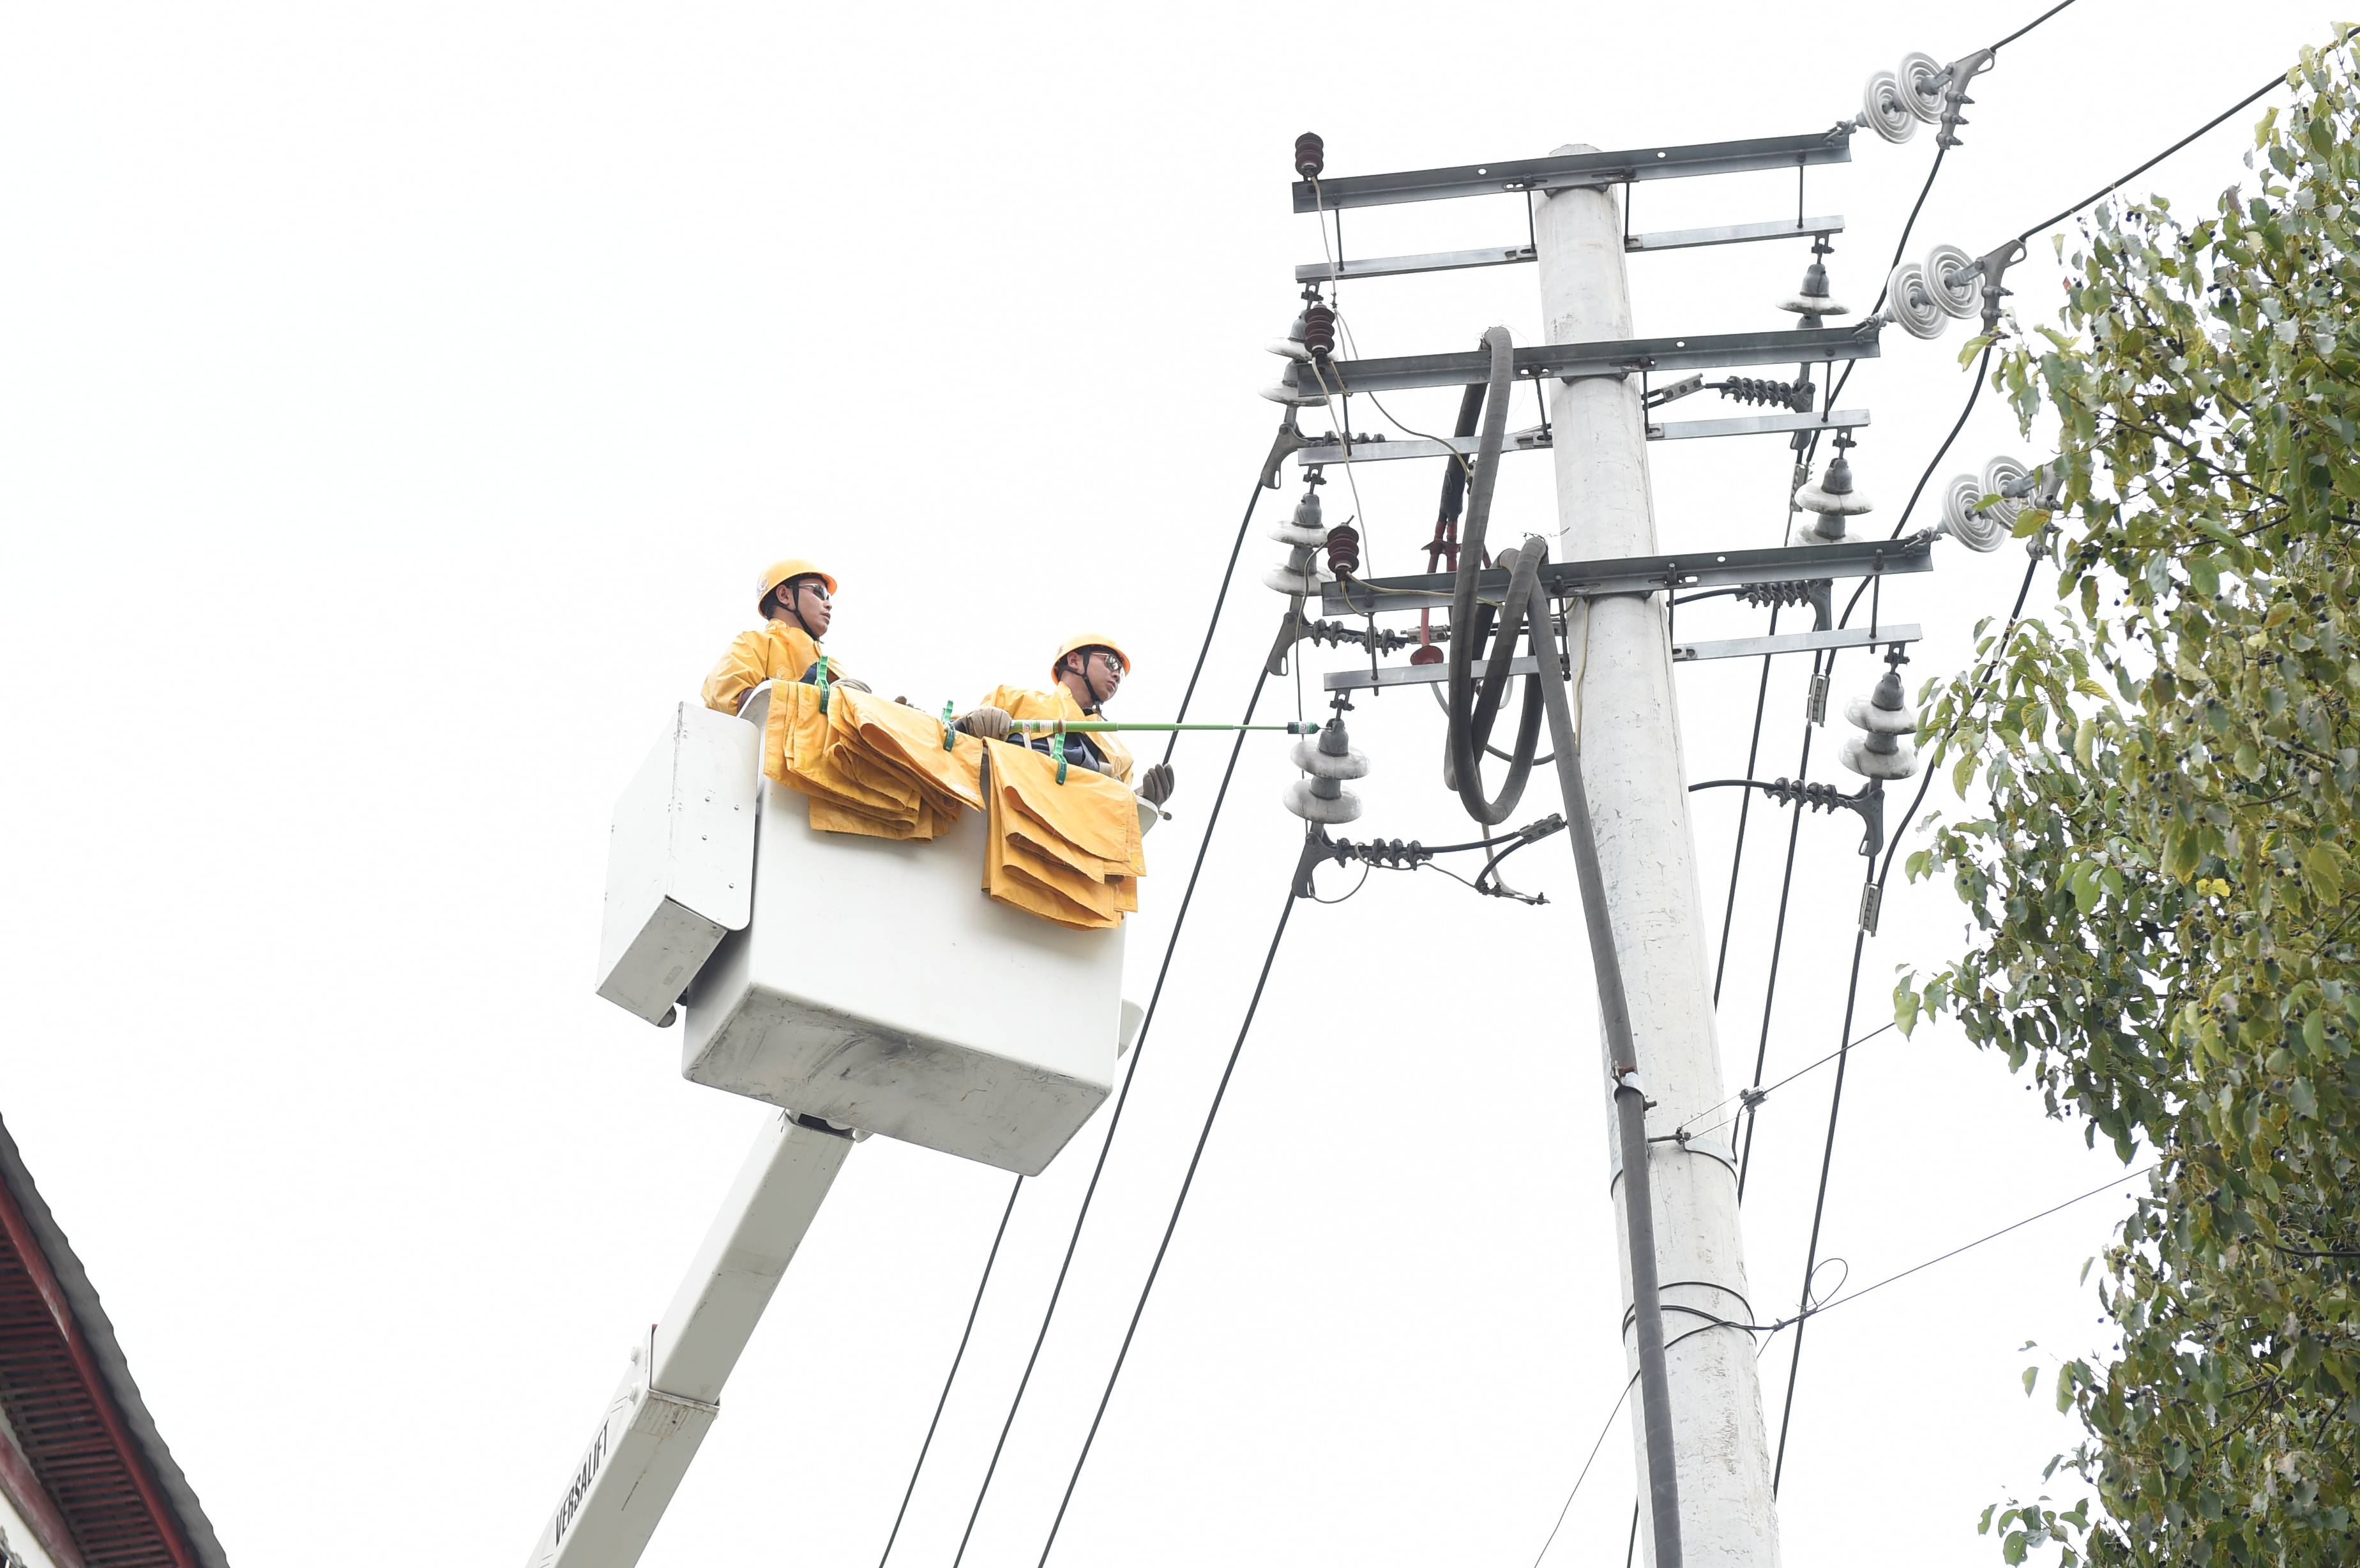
<point x="1319" y="331"/>
<point x="1310" y="155"/>
<point x="1343" y="549"/>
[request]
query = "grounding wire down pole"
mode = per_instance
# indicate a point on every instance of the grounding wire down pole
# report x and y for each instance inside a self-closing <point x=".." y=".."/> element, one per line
<point x="1646" y="865"/>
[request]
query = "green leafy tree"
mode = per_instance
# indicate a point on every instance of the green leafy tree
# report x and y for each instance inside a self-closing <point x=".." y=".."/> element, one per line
<point x="2163" y="878"/>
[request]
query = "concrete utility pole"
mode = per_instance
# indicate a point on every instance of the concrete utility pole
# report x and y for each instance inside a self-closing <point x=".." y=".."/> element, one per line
<point x="1638" y="797"/>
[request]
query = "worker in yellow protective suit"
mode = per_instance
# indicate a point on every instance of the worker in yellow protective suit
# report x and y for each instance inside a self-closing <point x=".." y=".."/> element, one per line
<point x="797" y="601"/>
<point x="1087" y="672"/>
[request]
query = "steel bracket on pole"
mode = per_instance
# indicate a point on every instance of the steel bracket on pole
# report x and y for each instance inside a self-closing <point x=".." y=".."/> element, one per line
<point x="1346" y="268"/>
<point x="1623" y="357"/>
<point x="1570" y="171"/>
<point x="1644" y="574"/>
<point x="1796" y="642"/>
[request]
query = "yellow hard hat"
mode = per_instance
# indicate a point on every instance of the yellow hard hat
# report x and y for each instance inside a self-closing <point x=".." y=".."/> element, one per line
<point x="1090" y="640"/>
<point x="779" y="572"/>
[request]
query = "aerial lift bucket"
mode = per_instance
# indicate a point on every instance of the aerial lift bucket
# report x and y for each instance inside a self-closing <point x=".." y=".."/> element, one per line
<point x="865" y="982"/>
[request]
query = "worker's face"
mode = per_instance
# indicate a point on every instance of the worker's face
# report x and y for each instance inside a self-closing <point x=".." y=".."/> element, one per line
<point x="1101" y="672"/>
<point x="809" y="596"/>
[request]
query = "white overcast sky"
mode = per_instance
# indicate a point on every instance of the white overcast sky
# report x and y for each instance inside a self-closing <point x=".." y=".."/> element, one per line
<point x="397" y="402"/>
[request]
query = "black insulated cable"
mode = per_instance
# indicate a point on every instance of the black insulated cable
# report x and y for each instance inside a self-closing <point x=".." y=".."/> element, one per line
<point x="1472" y="713"/>
<point x="1178" y="1204"/>
<point x="965" y="1334"/>
<point x="1114" y="1125"/>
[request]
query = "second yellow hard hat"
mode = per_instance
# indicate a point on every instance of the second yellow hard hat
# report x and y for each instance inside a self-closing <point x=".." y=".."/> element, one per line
<point x="779" y="571"/>
<point x="1090" y="640"/>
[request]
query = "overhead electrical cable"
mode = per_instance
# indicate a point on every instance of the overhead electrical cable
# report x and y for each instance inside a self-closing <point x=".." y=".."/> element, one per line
<point x="965" y="1334"/>
<point x="1973" y="391"/>
<point x="1114" y="1125"/>
<point x="1196" y="1157"/>
<point x="1212" y="623"/>
<point x="1843" y="1300"/>
<point x="1926" y="782"/>
<point x="1852" y="998"/>
<point x="1220" y="598"/>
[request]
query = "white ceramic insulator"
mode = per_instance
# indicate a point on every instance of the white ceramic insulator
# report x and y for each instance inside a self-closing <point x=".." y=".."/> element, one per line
<point x="1288" y="348"/>
<point x="1867" y="715"/>
<point x="1827" y="503"/>
<point x="1979" y="531"/>
<point x="1294" y="579"/>
<point x="1806" y="531"/>
<point x="1295" y="390"/>
<point x="1899" y="763"/>
<point x="1354" y="764"/>
<point x="1815" y="305"/>
<point x="1300" y="537"/>
<point x="1909" y="300"/>
<point x="1345" y="807"/>
<point x="1918" y="67"/>
<point x="2000" y="475"/>
<point x="1882" y="110"/>
<point x="1967" y="298"/>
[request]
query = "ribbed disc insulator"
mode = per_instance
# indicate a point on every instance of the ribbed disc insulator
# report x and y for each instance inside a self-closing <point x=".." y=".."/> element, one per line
<point x="1899" y="763"/>
<point x="1354" y="764"/>
<point x="1980" y="531"/>
<point x="1313" y="808"/>
<point x="1923" y="78"/>
<point x="1865" y="715"/>
<point x="1909" y="300"/>
<point x="1882" y="109"/>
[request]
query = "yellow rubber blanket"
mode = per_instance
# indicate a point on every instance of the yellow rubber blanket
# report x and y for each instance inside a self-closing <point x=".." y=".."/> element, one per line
<point x="869" y="765"/>
<point x="1070" y="852"/>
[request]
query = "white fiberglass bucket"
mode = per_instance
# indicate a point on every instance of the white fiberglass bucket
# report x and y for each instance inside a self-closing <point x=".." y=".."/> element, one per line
<point x="876" y="986"/>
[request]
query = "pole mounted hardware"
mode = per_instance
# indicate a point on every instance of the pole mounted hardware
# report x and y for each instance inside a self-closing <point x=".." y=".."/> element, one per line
<point x="1615" y="359"/>
<point x="1867" y="802"/>
<point x="1319" y="797"/>
<point x="1645" y="574"/>
<point x="1894" y="104"/>
<point x="1345" y="269"/>
<point x="1566" y="171"/>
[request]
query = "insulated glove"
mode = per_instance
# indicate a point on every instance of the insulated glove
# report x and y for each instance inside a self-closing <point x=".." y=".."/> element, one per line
<point x="990" y="723"/>
<point x="1155" y="784"/>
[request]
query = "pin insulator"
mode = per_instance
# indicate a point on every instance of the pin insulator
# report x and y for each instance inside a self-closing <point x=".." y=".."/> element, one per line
<point x="1310" y="155"/>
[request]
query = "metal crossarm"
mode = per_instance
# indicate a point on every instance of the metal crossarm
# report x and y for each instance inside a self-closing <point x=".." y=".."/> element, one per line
<point x="1644" y="574"/>
<point x="1623" y="356"/>
<point x="1509" y="255"/>
<point x="1575" y="170"/>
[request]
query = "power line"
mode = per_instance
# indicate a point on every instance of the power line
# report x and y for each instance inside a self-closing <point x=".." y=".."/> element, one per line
<point x="2108" y="188"/>
<point x="1179" y="1203"/>
<point x="907" y="1492"/>
<point x="1114" y="1125"/>
<point x="1894" y="843"/>
<point x="1220" y="597"/>
<point x="1852" y="998"/>
<point x="1212" y="623"/>
<point x="1812" y="1311"/>
<point x="2029" y="26"/>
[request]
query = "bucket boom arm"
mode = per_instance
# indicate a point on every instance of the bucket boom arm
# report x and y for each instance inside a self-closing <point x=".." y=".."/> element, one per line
<point x="652" y="1426"/>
